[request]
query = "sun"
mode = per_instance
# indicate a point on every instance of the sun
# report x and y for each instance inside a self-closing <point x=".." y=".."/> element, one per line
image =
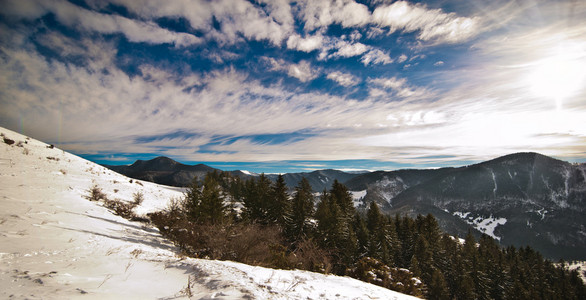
<point x="558" y="77"/>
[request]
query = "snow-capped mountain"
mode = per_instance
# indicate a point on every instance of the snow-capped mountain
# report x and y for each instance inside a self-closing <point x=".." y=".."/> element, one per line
<point x="519" y="199"/>
<point x="55" y="244"/>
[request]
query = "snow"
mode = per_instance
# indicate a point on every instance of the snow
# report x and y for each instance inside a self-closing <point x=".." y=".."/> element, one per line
<point x="580" y="266"/>
<point x="484" y="225"/>
<point x="55" y="244"/>
<point x="357" y="197"/>
<point x="248" y="173"/>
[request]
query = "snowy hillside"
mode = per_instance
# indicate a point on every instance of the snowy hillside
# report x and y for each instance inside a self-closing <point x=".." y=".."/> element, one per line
<point x="55" y="244"/>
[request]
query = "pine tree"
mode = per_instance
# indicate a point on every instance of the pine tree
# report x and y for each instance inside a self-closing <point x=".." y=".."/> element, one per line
<point x="211" y="207"/>
<point x="279" y="206"/>
<point x="373" y="217"/>
<point x="334" y="229"/>
<point x="437" y="287"/>
<point x="379" y="239"/>
<point x="424" y="256"/>
<point x="343" y="199"/>
<point x="192" y="199"/>
<point x="362" y="235"/>
<point x="298" y="226"/>
<point x="257" y="199"/>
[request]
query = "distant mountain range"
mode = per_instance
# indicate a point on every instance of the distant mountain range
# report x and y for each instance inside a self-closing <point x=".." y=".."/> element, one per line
<point x="164" y="170"/>
<point x="519" y="199"/>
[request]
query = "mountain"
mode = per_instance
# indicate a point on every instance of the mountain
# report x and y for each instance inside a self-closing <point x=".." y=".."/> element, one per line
<point x="56" y="244"/>
<point x="382" y="186"/>
<point x="519" y="199"/>
<point x="319" y="180"/>
<point x="163" y="170"/>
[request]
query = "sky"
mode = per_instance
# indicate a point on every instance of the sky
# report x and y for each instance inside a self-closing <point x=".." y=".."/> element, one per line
<point x="283" y="86"/>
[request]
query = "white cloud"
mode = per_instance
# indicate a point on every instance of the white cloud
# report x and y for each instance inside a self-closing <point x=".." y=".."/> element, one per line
<point x="402" y="58"/>
<point x="438" y="63"/>
<point x="400" y="87"/>
<point x="375" y="57"/>
<point x="432" y="24"/>
<point x="302" y="71"/>
<point x="344" y="79"/>
<point x="347" y="13"/>
<point x="345" y="49"/>
<point x="236" y="17"/>
<point x="355" y="35"/>
<point x="136" y="31"/>
<point x="23" y="9"/>
<point x="306" y="44"/>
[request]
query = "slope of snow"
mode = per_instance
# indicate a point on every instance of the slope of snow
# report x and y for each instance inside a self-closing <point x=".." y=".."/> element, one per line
<point x="55" y="244"/>
<point x="357" y="197"/>
<point x="484" y="225"/>
<point x="580" y="266"/>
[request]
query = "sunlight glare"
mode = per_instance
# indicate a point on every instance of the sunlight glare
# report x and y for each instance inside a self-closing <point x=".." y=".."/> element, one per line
<point x="559" y="77"/>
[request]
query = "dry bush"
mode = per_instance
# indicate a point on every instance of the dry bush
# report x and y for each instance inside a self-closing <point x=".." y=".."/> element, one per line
<point x="137" y="198"/>
<point x="95" y="193"/>
<point x="123" y="209"/>
<point x="373" y="271"/>
<point x="254" y="245"/>
<point x="309" y="256"/>
<point x="251" y="244"/>
<point x="8" y="141"/>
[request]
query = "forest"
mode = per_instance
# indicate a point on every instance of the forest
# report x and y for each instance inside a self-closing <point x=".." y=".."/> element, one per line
<point x="260" y="222"/>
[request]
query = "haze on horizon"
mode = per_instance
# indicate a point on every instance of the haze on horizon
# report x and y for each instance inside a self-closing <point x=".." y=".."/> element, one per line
<point x="278" y="85"/>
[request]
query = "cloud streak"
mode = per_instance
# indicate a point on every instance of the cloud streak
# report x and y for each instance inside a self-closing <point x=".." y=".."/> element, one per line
<point x="276" y="80"/>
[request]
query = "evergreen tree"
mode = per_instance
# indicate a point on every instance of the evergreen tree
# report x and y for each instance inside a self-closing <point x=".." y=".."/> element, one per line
<point x="298" y="226"/>
<point x="257" y="199"/>
<point x="334" y="229"/>
<point x="373" y="217"/>
<point x="211" y="207"/>
<point x="192" y="199"/>
<point x="362" y="235"/>
<point x="424" y="256"/>
<point x="343" y="199"/>
<point x="379" y="235"/>
<point x="394" y="245"/>
<point x="279" y="206"/>
<point x="406" y="232"/>
<point x="437" y="287"/>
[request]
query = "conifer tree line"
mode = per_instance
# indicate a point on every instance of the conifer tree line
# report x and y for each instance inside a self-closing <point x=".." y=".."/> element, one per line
<point x="260" y="222"/>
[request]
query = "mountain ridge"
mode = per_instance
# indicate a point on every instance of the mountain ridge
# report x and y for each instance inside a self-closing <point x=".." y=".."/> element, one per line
<point x="520" y="199"/>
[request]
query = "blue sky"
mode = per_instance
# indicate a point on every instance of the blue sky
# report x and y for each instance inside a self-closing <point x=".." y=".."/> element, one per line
<point x="282" y="85"/>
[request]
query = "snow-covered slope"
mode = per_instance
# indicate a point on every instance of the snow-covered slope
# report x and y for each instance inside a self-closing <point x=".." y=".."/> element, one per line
<point x="55" y="244"/>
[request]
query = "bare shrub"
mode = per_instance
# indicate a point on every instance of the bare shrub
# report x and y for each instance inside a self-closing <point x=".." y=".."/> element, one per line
<point x="137" y="198"/>
<point x="373" y="271"/>
<point x="123" y="209"/>
<point x="309" y="256"/>
<point x="254" y="245"/>
<point x="251" y="244"/>
<point x="8" y="141"/>
<point x="95" y="194"/>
